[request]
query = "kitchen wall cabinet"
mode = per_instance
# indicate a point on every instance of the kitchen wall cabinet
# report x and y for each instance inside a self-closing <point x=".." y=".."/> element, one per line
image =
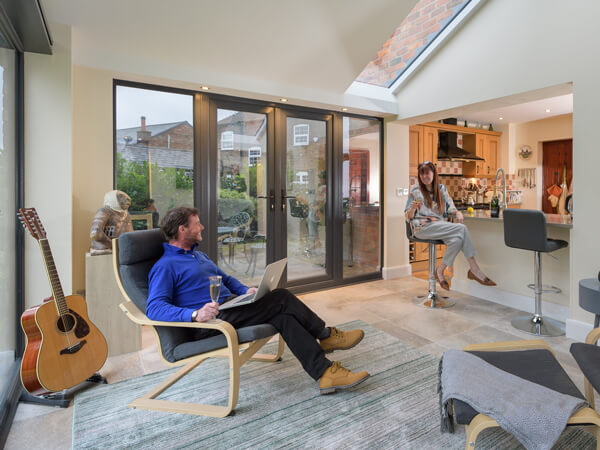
<point x="486" y="147"/>
<point x="423" y="146"/>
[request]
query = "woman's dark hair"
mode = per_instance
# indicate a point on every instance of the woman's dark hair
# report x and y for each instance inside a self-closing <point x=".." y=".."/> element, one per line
<point x="436" y="194"/>
<point x="170" y="223"/>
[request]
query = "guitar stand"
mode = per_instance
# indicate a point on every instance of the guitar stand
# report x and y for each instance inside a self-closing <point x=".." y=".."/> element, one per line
<point x="60" y="399"/>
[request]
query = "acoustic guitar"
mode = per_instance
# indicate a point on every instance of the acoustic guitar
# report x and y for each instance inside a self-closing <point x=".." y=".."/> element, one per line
<point x="64" y="348"/>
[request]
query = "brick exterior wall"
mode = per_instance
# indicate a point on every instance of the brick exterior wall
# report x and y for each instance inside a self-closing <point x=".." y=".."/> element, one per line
<point x="416" y="31"/>
<point x="181" y="137"/>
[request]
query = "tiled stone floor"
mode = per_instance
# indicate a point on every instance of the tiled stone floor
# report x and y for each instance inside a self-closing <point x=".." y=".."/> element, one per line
<point x="385" y="304"/>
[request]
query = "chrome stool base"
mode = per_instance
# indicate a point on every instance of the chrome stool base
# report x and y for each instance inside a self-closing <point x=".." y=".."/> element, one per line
<point x="434" y="301"/>
<point x="539" y="326"/>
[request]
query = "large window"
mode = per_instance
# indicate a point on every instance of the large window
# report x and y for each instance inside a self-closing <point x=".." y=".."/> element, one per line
<point x="266" y="179"/>
<point x="154" y="151"/>
<point x="7" y="215"/>
<point x="361" y="186"/>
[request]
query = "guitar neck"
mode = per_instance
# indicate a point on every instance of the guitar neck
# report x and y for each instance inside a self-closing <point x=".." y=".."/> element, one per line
<point x="52" y="273"/>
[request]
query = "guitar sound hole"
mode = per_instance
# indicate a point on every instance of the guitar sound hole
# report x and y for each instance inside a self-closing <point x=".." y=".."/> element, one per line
<point x="65" y="323"/>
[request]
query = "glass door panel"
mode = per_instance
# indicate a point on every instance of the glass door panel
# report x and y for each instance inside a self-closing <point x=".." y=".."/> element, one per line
<point x="360" y="196"/>
<point x="306" y="189"/>
<point x="242" y="202"/>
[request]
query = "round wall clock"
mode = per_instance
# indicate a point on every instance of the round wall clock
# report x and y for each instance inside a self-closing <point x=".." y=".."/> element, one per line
<point x="525" y="152"/>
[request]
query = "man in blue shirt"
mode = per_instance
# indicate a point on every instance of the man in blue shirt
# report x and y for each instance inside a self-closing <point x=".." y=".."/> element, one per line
<point x="179" y="292"/>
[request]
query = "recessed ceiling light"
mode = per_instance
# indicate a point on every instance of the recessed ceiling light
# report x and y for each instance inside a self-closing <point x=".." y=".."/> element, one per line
<point x="500" y="118"/>
<point x="204" y="88"/>
<point x="283" y="100"/>
<point x="344" y="109"/>
<point x="547" y="109"/>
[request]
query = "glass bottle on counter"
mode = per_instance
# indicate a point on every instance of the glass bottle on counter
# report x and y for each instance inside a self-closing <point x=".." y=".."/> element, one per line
<point x="495" y="205"/>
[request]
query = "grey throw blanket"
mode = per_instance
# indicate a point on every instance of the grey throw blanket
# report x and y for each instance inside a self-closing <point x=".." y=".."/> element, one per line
<point x="532" y="413"/>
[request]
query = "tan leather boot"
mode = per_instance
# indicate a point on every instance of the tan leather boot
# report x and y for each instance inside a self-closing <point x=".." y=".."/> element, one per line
<point x="341" y="340"/>
<point x="338" y="377"/>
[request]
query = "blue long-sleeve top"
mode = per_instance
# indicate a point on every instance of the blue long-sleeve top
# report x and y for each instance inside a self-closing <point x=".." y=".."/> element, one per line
<point x="178" y="284"/>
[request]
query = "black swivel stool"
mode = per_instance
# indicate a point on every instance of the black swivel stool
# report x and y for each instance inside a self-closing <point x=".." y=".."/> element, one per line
<point x="432" y="300"/>
<point x="589" y="297"/>
<point x="526" y="229"/>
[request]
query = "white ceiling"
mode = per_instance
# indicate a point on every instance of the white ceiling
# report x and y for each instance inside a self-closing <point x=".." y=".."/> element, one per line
<point x="525" y="112"/>
<point x="319" y="45"/>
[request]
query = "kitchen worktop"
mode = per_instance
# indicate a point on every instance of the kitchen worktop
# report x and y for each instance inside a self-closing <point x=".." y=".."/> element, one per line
<point x="555" y="220"/>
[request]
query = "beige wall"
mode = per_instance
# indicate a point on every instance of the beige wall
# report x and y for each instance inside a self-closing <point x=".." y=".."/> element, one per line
<point x="535" y="134"/>
<point x="48" y="151"/>
<point x="512" y="53"/>
<point x="395" y="166"/>
<point x="92" y="157"/>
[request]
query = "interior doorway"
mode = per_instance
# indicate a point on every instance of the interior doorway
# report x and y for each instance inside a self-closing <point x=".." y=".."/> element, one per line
<point x="557" y="163"/>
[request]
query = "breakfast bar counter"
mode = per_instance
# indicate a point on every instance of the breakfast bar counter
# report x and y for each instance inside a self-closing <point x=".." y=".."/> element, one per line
<point x="513" y="269"/>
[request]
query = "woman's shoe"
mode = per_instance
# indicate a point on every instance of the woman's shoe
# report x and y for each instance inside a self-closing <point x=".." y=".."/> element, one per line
<point x="486" y="281"/>
<point x="443" y="283"/>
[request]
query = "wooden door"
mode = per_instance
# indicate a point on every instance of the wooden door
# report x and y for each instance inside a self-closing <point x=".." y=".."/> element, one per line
<point x="556" y="156"/>
<point x="430" y="145"/>
<point x="415" y="142"/>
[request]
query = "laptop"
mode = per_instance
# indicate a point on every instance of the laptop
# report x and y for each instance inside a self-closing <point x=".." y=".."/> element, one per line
<point x="270" y="281"/>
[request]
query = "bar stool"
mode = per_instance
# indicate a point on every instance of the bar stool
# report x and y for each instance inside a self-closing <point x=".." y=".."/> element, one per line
<point x="589" y="297"/>
<point x="432" y="300"/>
<point x="526" y="229"/>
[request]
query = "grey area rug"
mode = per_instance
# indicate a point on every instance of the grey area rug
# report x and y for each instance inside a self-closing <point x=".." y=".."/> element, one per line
<point x="280" y="407"/>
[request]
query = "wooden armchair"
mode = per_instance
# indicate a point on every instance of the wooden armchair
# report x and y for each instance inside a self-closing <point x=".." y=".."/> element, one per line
<point x="134" y="254"/>
<point x="539" y="366"/>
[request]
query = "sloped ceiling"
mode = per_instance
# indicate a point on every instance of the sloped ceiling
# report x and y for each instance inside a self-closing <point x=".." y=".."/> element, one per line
<point x="313" y="44"/>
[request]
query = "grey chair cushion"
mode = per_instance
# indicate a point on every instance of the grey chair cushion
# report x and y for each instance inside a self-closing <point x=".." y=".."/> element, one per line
<point x="246" y="334"/>
<point x="411" y="237"/>
<point x="138" y="252"/>
<point x="526" y="229"/>
<point x="539" y="366"/>
<point x="588" y="360"/>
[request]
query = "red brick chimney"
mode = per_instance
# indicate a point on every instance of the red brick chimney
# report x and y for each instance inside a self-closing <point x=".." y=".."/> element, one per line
<point x="143" y="136"/>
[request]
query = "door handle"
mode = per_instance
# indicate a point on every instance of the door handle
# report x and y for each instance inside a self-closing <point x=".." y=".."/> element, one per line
<point x="271" y="197"/>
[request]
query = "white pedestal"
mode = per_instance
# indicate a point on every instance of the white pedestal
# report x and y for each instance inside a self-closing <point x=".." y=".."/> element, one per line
<point x="103" y="298"/>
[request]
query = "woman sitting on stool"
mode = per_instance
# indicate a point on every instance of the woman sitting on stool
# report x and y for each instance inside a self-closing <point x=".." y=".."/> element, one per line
<point x="427" y="208"/>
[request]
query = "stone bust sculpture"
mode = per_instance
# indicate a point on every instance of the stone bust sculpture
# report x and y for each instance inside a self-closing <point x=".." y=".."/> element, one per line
<point x="110" y="221"/>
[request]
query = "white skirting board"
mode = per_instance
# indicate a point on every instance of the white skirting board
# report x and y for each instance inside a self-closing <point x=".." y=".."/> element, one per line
<point x="389" y="273"/>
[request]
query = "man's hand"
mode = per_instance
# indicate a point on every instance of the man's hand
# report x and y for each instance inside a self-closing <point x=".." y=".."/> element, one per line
<point x="207" y="312"/>
<point x="251" y="290"/>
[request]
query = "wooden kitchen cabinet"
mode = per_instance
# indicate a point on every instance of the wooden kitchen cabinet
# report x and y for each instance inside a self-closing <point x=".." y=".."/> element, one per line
<point x="423" y="146"/>
<point x="493" y="152"/>
<point x="415" y="142"/>
<point x="430" y="145"/>
<point x="487" y="146"/>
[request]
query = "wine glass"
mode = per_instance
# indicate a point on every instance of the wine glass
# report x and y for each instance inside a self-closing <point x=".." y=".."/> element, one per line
<point x="215" y="287"/>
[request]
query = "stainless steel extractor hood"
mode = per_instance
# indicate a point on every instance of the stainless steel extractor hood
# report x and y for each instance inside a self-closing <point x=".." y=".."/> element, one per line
<point x="449" y="151"/>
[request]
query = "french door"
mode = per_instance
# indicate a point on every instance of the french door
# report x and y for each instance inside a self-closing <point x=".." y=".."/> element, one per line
<point x="271" y="186"/>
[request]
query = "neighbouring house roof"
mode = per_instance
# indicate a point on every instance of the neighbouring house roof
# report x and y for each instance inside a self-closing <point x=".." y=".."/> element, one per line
<point x="163" y="157"/>
<point x="416" y="32"/>
<point x="155" y="130"/>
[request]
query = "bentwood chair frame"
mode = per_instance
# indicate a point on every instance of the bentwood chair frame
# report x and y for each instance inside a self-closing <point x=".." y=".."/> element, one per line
<point x="237" y="354"/>
<point x="585" y="416"/>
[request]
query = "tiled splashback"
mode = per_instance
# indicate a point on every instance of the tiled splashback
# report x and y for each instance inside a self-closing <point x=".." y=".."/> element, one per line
<point x="457" y="185"/>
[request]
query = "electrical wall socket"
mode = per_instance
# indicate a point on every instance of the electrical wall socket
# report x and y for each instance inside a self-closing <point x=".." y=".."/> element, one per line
<point x="400" y="192"/>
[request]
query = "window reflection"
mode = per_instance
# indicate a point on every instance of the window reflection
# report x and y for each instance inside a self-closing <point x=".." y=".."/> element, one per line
<point x="361" y="196"/>
<point x="154" y="158"/>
